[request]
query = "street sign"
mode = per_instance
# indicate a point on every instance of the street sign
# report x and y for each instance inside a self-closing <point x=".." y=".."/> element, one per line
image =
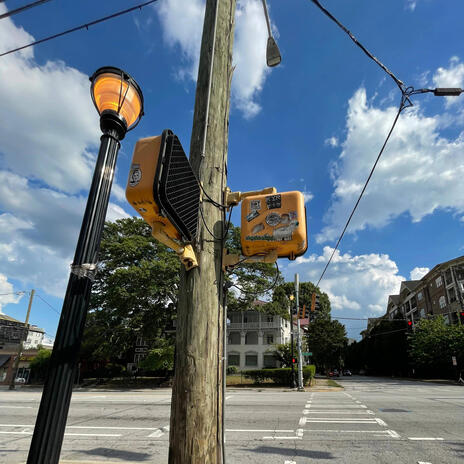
<point x="308" y="353"/>
<point x="141" y="349"/>
<point x="453" y="358"/>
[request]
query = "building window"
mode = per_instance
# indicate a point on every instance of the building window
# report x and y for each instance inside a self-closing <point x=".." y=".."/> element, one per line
<point x="420" y="296"/>
<point x="251" y="338"/>
<point x="235" y="317"/>
<point x="233" y="359"/>
<point x="234" y="338"/>
<point x="251" y="360"/>
<point x="269" y="339"/>
<point x="442" y="302"/>
<point x="438" y="281"/>
<point x="269" y="361"/>
<point x="138" y="357"/>
<point x="452" y="295"/>
<point x="448" y="277"/>
<point x="270" y="319"/>
<point x="422" y="313"/>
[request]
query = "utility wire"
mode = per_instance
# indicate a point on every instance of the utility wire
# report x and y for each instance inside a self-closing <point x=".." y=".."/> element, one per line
<point x="82" y="26"/>
<point x="405" y="103"/>
<point x="47" y="303"/>
<point x="23" y="8"/>
<point x="21" y="292"/>
<point x="398" y="82"/>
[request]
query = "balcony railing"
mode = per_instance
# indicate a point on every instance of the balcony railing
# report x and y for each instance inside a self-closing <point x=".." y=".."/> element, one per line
<point x="255" y="325"/>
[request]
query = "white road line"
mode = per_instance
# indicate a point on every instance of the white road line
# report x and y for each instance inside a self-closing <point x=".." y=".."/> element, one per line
<point x="363" y="413"/>
<point x="94" y="434"/>
<point x="282" y="438"/>
<point x="289" y="462"/>
<point x="229" y="397"/>
<point x="425" y="438"/>
<point x="260" y="430"/>
<point x="299" y="433"/>
<point x="87" y="427"/>
<point x="369" y="411"/>
<point x="15" y="407"/>
<point x="393" y="434"/>
<point x="380" y="421"/>
<point x="423" y="462"/>
<point x="302" y="421"/>
<point x="16" y="433"/>
<point x="343" y="421"/>
<point x="348" y="431"/>
<point x="156" y="434"/>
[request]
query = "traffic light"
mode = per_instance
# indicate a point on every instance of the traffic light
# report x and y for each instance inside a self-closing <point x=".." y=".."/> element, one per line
<point x="164" y="190"/>
<point x="315" y="301"/>
<point x="301" y="312"/>
<point x="461" y="315"/>
<point x="274" y="223"/>
<point x="294" y="361"/>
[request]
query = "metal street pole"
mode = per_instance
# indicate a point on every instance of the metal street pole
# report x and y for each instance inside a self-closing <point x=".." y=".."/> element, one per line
<point x="21" y="344"/>
<point x="298" y="336"/>
<point x="293" y="383"/>
<point x="56" y="397"/>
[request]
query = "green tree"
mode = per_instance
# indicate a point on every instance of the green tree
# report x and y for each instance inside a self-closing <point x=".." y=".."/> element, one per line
<point x="326" y="340"/>
<point x="283" y="353"/>
<point x="160" y="358"/>
<point x="134" y="292"/>
<point x="250" y="281"/>
<point x="433" y="344"/>
<point x="39" y="364"/>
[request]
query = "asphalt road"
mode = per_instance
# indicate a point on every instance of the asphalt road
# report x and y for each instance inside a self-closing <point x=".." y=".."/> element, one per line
<point x="373" y="420"/>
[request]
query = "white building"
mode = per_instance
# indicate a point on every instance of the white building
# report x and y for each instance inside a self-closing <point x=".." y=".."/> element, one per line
<point x="35" y="337"/>
<point x="250" y="339"/>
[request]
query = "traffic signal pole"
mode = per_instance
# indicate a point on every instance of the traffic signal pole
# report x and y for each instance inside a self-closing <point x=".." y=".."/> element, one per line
<point x="298" y="335"/>
<point x="197" y="396"/>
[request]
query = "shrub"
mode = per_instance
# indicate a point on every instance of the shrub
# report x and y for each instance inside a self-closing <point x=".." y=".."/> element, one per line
<point x="281" y="376"/>
<point x="232" y="370"/>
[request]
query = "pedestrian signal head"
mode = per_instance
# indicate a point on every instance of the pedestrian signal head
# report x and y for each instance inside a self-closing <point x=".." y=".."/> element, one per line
<point x="162" y="187"/>
<point x="274" y="223"/>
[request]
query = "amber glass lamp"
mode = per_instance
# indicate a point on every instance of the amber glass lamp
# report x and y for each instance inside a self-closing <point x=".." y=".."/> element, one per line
<point x="117" y="98"/>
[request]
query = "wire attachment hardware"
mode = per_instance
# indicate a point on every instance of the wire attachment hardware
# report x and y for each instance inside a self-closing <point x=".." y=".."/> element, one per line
<point x="234" y="198"/>
<point x="84" y="270"/>
<point x="232" y="259"/>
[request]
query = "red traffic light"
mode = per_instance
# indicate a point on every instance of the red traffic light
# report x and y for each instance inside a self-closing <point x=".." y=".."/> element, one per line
<point x="409" y="323"/>
<point x="293" y="360"/>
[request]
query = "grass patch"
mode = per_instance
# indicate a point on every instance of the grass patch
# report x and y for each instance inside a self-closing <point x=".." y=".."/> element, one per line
<point x="332" y="383"/>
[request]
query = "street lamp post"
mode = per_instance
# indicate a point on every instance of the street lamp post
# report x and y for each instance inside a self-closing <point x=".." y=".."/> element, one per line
<point x="119" y="102"/>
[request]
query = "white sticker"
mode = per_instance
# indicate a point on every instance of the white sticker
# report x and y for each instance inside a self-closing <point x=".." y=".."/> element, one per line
<point x="255" y="205"/>
<point x="135" y="175"/>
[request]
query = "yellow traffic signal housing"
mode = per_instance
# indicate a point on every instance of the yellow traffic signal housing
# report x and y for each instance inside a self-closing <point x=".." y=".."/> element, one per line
<point x="164" y="191"/>
<point x="274" y="222"/>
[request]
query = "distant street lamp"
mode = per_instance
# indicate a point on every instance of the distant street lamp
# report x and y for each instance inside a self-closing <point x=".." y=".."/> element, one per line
<point x="119" y="102"/>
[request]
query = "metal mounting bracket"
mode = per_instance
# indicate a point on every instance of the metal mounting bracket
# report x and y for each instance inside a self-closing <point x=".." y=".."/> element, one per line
<point x="234" y="198"/>
<point x="232" y="259"/>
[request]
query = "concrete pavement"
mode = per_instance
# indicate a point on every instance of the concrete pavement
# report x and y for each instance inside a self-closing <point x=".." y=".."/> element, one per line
<point x="372" y="420"/>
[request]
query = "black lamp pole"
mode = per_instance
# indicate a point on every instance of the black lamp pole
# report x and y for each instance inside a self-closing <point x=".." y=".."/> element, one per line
<point x="54" y="406"/>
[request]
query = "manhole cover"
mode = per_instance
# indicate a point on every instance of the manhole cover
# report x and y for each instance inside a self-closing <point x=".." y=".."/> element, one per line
<point x="394" y="410"/>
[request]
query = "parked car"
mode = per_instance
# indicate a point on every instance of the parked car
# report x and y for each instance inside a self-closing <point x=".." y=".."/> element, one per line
<point x="20" y="380"/>
<point x="347" y="372"/>
<point x="334" y="373"/>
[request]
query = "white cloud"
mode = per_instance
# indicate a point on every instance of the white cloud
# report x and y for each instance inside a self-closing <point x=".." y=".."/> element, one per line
<point x="359" y="283"/>
<point x="419" y="173"/>
<point x="7" y="293"/>
<point x="418" y="272"/>
<point x="332" y="142"/>
<point x="453" y="76"/>
<point x="182" y="23"/>
<point x="48" y="135"/>
<point x="308" y="196"/>
<point x="411" y="4"/>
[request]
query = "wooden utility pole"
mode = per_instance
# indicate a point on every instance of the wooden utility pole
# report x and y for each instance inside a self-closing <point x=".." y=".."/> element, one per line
<point x="21" y="344"/>
<point x="196" y="410"/>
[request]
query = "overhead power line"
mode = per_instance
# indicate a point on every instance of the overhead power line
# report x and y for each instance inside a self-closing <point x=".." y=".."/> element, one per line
<point x="23" y="8"/>
<point x="47" y="303"/>
<point x="82" y="26"/>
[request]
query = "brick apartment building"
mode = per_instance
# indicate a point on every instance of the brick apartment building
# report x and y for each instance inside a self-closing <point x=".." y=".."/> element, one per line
<point x="439" y="292"/>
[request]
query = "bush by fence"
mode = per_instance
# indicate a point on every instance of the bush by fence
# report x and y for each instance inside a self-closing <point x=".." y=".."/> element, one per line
<point x="282" y="376"/>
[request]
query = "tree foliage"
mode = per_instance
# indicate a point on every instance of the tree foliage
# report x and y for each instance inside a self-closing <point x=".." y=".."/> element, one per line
<point x="283" y="353"/>
<point x="433" y="344"/>
<point x="160" y="358"/>
<point x="39" y="364"/>
<point x="134" y="293"/>
<point x="326" y="340"/>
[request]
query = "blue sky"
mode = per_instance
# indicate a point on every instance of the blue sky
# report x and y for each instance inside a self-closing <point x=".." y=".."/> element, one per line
<point x="315" y="123"/>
